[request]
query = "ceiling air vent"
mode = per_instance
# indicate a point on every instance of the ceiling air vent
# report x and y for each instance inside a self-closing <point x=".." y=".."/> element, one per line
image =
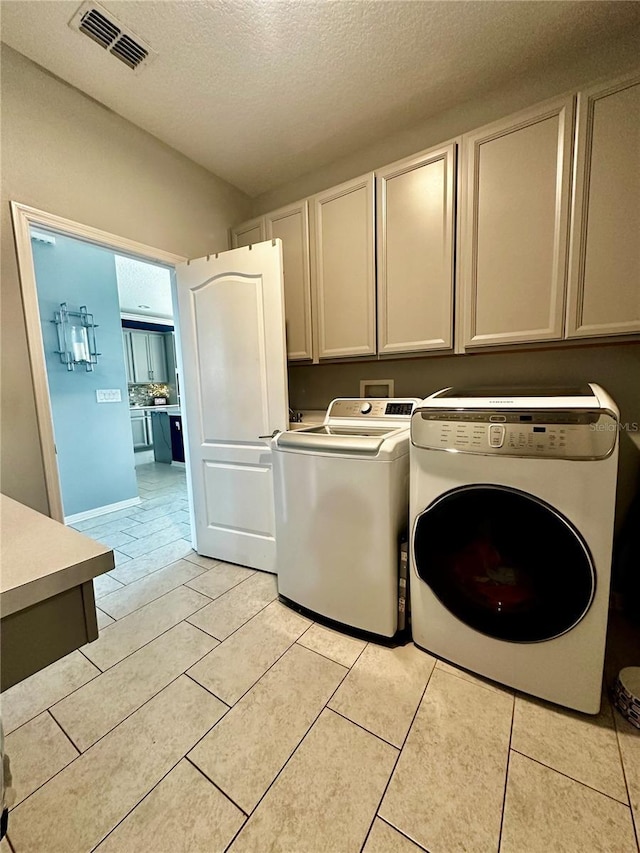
<point x="94" y="21"/>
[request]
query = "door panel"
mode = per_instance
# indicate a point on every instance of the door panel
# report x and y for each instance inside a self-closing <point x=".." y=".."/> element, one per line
<point x="235" y="389"/>
<point x="515" y="226"/>
<point x="248" y="233"/>
<point x="604" y="264"/>
<point x="229" y="318"/>
<point x="157" y="358"/>
<point x="416" y="215"/>
<point x="291" y="225"/>
<point x="140" y="357"/>
<point x="344" y="251"/>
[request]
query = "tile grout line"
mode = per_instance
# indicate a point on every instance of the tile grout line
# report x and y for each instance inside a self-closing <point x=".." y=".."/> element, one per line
<point x="321" y="654"/>
<point x="395" y="764"/>
<point x="502" y="688"/>
<point x="157" y="693"/>
<point x="142" y="577"/>
<point x="395" y="829"/>
<point x="211" y="782"/>
<point x="246" y="622"/>
<point x="133" y="808"/>
<point x="506" y="773"/>
<point x="365" y="729"/>
<point x="572" y="779"/>
<point x="258" y="679"/>
<point x="161" y="634"/>
<point x="636" y="828"/>
<point x="48" y="708"/>
<point x="58" y="772"/>
<point x="293" y="752"/>
<point x="151" y="600"/>
<point x="68" y="736"/>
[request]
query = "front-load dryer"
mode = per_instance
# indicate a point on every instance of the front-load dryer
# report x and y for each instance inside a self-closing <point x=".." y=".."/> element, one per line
<point x="512" y="509"/>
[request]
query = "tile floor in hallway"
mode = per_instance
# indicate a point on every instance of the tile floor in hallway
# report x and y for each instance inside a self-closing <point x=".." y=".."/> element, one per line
<point x="209" y="717"/>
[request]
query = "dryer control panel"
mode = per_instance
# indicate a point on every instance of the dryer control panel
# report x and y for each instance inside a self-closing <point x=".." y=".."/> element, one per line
<point x="573" y="434"/>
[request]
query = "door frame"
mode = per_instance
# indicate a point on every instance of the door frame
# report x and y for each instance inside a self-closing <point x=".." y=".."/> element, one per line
<point x="23" y="216"/>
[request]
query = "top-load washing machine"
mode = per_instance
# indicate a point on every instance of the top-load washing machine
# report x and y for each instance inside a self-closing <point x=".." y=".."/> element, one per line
<point x="342" y="502"/>
<point x="512" y="509"/>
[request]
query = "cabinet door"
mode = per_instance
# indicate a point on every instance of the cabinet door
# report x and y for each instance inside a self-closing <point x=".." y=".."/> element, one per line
<point x="344" y="269"/>
<point x="291" y="225"/>
<point x="515" y="226"/>
<point x="248" y="233"/>
<point x="604" y="260"/>
<point x="139" y="432"/>
<point x="416" y="219"/>
<point x="128" y="360"/>
<point x="157" y="357"/>
<point x="140" y="357"/>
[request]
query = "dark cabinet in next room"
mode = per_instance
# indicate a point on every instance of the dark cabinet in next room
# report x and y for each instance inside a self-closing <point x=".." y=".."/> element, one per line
<point x="177" y="444"/>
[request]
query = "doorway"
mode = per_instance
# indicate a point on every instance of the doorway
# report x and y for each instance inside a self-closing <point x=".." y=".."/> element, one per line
<point x="88" y="241"/>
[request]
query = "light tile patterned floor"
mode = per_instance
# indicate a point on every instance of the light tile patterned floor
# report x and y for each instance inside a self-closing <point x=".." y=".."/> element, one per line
<point x="209" y="717"/>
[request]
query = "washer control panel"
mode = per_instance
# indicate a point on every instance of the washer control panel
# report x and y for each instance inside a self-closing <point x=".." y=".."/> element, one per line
<point x="575" y="434"/>
<point x="371" y="408"/>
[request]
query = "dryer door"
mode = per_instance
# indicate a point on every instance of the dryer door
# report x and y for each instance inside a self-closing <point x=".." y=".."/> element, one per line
<point x="504" y="563"/>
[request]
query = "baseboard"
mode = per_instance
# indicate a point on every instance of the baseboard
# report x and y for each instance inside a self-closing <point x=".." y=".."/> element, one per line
<point x="179" y="464"/>
<point x="101" y="510"/>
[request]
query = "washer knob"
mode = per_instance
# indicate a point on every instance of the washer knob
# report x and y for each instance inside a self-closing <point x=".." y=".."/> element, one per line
<point x="365" y="408"/>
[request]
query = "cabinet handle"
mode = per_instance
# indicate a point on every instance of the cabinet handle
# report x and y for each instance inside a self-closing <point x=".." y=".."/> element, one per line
<point x="151" y="374"/>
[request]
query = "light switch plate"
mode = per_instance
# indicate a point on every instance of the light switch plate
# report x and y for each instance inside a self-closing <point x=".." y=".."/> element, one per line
<point x="108" y="395"/>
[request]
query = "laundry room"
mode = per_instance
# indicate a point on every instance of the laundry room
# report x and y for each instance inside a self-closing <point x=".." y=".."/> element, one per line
<point x="382" y="596"/>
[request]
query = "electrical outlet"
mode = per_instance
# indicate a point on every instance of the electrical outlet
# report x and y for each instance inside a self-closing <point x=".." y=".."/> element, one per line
<point x="108" y="395"/>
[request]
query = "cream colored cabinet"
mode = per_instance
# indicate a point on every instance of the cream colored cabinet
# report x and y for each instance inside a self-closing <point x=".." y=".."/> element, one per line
<point x="291" y="225"/>
<point x="514" y="229"/>
<point x="248" y="233"/>
<point x="416" y="227"/>
<point x="343" y="269"/>
<point x="604" y="261"/>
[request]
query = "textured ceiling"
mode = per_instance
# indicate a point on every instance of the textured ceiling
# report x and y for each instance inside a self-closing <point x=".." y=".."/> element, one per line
<point x="262" y="91"/>
<point x="143" y="288"/>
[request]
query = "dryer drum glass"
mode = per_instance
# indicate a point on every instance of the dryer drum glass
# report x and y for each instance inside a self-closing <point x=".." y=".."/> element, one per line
<point x="504" y="563"/>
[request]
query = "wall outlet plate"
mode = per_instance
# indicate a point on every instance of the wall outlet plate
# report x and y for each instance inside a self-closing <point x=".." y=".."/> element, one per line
<point x="108" y="395"/>
<point x="377" y="388"/>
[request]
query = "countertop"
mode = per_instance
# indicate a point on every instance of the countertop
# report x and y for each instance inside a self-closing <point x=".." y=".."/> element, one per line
<point x="173" y="409"/>
<point x="41" y="557"/>
<point x="311" y="417"/>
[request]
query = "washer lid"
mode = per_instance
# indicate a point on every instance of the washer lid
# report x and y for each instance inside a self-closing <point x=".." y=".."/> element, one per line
<point x="588" y="396"/>
<point x="331" y="438"/>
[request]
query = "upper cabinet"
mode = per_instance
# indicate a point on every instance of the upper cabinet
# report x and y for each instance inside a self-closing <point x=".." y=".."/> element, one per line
<point x="248" y="233"/>
<point x="515" y="224"/>
<point x="604" y="262"/>
<point x="343" y="270"/>
<point x="416" y="233"/>
<point x="145" y="356"/>
<point x="535" y="218"/>
<point x="291" y="225"/>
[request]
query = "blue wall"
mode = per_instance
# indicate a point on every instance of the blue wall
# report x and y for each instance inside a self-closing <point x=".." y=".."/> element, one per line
<point x="93" y="440"/>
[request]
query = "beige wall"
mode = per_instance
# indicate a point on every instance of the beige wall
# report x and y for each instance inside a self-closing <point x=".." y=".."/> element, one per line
<point x="607" y="60"/>
<point x="64" y="153"/>
<point x="614" y="366"/>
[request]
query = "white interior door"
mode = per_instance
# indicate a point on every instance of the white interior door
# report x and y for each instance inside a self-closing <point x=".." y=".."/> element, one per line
<point x="231" y="310"/>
